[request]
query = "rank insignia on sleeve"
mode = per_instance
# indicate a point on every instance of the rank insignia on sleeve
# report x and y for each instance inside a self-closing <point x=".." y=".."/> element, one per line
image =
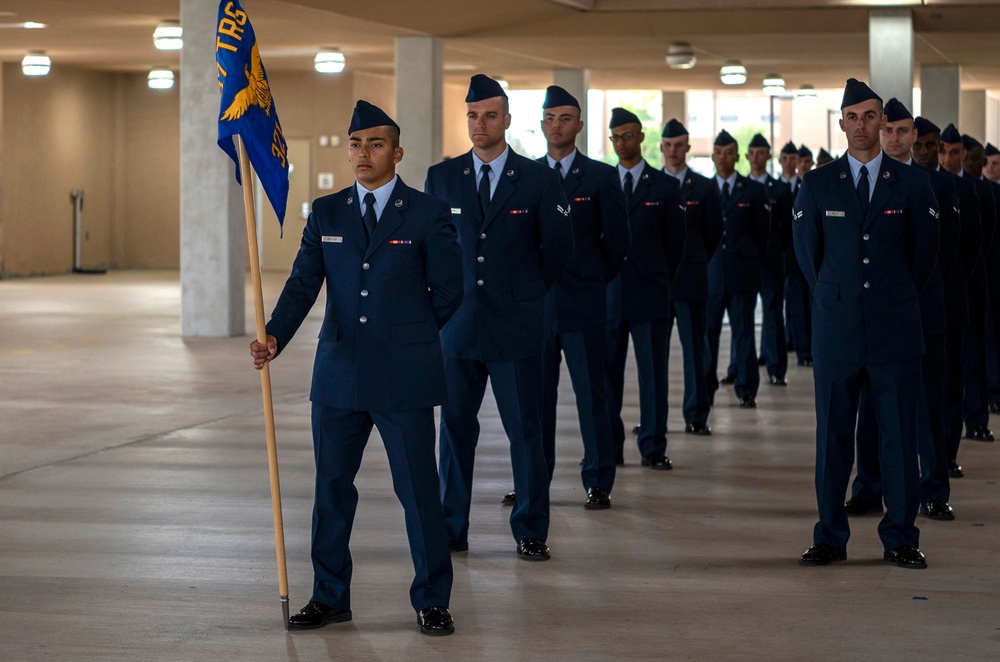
<point x="797" y="216"/>
<point x="934" y="213"/>
<point x="564" y="212"/>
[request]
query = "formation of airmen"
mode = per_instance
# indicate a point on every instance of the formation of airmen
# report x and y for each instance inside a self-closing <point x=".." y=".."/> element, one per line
<point x="504" y="266"/>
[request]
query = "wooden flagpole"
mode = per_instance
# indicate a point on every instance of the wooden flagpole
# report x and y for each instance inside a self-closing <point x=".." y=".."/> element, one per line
<point x="265" y="376"/>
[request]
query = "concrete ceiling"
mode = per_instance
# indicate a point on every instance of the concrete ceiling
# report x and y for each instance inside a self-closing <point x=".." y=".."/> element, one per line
<point x="622" y="42"/>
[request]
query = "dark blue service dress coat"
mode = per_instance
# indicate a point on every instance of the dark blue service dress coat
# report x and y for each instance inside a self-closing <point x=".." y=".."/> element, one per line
<point x="639" y="306"/>
<point x="689" y="292"/>
<point x="576" y="314"/>
<point x="512" y="257"/>
<point x="378" y="362"/>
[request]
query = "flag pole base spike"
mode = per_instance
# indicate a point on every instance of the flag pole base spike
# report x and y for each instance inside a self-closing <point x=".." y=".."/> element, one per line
<point x="284" y="610"/>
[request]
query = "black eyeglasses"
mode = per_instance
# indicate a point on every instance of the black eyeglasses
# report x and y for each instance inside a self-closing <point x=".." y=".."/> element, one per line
<point x="625" y="137"/>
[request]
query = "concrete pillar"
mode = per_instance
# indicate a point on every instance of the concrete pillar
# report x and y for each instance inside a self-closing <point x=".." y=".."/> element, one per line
<point x="419" y="95"/>
<point x="674" y="106"/>
<point x="213" y="232"/>
<point x="972" y="114"/>
<point x="890" y="54"/>
<point x="939" y="94"/>
<point x="577" y="83"/>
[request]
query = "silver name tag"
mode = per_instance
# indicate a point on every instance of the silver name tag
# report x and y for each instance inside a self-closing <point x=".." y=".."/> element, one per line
<point x="837" y="214"/>
<point x="327" y="239"/>
<point x="456" y="210"/>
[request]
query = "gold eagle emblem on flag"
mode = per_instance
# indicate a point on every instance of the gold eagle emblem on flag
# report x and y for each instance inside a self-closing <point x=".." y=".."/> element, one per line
<point x="256" y="93"/>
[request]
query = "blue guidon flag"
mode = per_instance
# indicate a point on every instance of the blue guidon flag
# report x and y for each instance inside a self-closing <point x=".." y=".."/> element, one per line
<point x="247" y="108"/>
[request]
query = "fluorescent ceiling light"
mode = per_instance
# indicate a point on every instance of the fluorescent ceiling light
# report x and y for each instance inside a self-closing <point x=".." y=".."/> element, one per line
<point x="807" y="92"/>
<point x="168" y="36"/>
<point x="680" y="56"/>
<point x="36" y="63"/>
<point x="774" y="85"/>
<point x="329" y="62"/>
<point x="160" y="79"/>
<point x="733" y="73"/>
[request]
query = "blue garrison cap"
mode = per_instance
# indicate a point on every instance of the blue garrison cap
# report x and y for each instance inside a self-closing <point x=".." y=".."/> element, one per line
<point x="823" y="154"/>
<point x="991" y="150"/>
<point x="790" y="148"/>
<point x="951" y="135"/>
<point x="621" y="116"/>
<point x="969" y="142"/>
<point x="895" y="111"/>
<point x="724" y="139"/>
<point x="925" y="126"/>
<point x="674" y="129"/>
<point x="367" y="116"/>
<point x="857" y="91"/>
<point x="759" y="141"/>
<point x="482" y="87"/>
<point x="556" y="96"/>
<point x="805" y="152"/>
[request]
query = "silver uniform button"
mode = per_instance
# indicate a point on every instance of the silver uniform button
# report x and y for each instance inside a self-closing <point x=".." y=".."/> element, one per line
<point x="723" y="233"/>
<point x="366" y="266"/>
<point x="865" y="236"/>
<point x="364" y="293"/>
<point x="480" y="259"/>
<point x="480" y="282"/>
<point x="363" y="319"/>
<point x="866" y="260"/>
<point x="723" y="246"/>
<point x="482" y="236"/>
<point x="867" y="285"/>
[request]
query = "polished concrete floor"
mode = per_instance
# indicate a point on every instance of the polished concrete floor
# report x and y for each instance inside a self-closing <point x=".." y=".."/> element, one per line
<point x="135" y="519"/>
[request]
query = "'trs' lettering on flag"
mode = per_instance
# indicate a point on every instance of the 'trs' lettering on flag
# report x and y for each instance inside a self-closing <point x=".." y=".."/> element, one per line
<point x="247" y="108"/>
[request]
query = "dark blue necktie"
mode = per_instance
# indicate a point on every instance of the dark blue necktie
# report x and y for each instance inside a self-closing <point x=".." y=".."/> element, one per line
<point x="628" y="187"/>
<point x="484" y="189"/>
<point x="369" y="217"/>
<point x="863" y="190"/>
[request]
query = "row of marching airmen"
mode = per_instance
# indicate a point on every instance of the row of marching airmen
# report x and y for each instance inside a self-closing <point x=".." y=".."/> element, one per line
<point x="504" y="266"/>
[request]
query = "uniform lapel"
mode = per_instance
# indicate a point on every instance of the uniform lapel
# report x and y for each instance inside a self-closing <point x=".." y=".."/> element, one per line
<point x="640" y="187"/>
<point x="505" y="187"/>
<point x="847" y="191"/>
<point x="391" y="218"/>
<point x="572" y="179"/>
<point x="884" y="184"/>
<point x="469" y="192"/>
<point x="352" y="212"/>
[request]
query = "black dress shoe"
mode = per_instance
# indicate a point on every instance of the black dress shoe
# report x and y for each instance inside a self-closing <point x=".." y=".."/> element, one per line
<point x="597" y="499"/>
<point x="435" y="621"/>
<point x="728" y="379"/>
<point x="459" y="546"/>
<point x="533" y="549"/>
<point x="906" y="556"/>
<point x="938" y="509"/>
<point x="807" y="362"/>
<point x="635" y="429"/>
<point x="657" y="461"/>
<point x="778" y="381"/>
<point x="858" y="506"/>
<point x="510" y="498"/>
<point x="748" y="402"/>
<point x="980" y="433"/>
<point x="822" y="554"/>
<point x="761" y="360"/>
<point x="315" y="615"/>
<point x="698" y="428"/>
<point x="995" y="407"/>
<point x="955" y="469"/>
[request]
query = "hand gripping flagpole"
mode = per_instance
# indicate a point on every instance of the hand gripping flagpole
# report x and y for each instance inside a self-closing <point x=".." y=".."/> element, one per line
<point x="265" y="376"/>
